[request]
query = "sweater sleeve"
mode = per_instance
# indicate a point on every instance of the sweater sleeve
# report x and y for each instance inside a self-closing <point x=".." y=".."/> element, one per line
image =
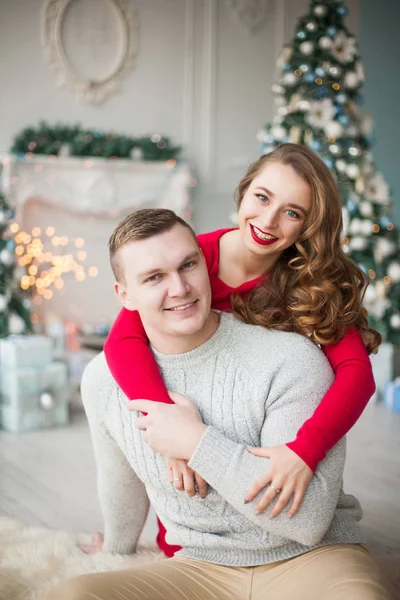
<point x="231" y="470"/>
<point x="344" y="402"/>
<point x="131" y="361"/>
<point x="122" y="495"/>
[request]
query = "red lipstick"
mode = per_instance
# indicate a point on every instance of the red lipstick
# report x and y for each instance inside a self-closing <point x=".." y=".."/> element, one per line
<point x="259" y="240"/>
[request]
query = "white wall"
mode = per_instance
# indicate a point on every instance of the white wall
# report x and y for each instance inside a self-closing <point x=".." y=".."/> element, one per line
<point x="199" y="78"/>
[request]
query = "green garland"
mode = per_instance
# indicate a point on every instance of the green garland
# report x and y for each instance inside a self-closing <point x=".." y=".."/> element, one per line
<point x="72" y="140"/>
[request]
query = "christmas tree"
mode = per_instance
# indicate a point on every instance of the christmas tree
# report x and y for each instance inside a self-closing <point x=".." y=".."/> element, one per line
<point x="14" y="311"/>
<point x="318" y="98"/>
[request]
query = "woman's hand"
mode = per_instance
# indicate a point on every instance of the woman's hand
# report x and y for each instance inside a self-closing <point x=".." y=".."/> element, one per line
<point x="172" y="430"/>
<point x="95" y="546"/>
<point x="287" y="475"/>
<point x="184" y="478"/>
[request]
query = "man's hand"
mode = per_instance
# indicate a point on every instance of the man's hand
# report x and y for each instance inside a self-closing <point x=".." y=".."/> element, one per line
<point x="287" y="475"/>
<point x="172" y="430"/>
<point x="95" y="546"/>
<point x="184" y="478"/>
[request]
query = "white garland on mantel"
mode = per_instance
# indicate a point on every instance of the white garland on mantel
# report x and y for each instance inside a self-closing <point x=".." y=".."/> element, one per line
<point x="252" y="14"/>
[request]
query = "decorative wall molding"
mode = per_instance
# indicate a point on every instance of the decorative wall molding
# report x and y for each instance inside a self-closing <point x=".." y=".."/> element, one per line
<point x="251" y="14"/>
<point x="87" y="89"/>
<point x="188" y="76"/>
<point x="209" y="89"/>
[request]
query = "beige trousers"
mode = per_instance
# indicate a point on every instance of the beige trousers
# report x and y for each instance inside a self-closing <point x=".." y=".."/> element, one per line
<point x="337" y="572"/>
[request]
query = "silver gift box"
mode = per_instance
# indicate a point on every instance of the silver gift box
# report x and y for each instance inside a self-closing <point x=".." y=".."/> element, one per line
<point x="18" y="351"/>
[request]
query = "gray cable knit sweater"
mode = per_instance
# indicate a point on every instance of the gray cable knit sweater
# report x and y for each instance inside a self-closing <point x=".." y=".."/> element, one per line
<point x="253" y="387"/>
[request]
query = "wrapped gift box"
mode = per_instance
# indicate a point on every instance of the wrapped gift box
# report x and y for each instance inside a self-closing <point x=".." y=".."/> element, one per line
<point x="34" y="398"/>
<point x="20" y="419"/>
<point x="19" y="351"/>
<point x="391" y="397"/>
<point x="18" y="387"/>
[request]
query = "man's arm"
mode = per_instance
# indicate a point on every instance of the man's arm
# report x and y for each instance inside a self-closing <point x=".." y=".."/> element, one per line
<point x="122" y="495"/>
<point x="231" y="470"/>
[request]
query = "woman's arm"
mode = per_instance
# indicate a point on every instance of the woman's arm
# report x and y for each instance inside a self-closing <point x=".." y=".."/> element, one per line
<point x="131" y="361"/>
<point x="344" y="402"/>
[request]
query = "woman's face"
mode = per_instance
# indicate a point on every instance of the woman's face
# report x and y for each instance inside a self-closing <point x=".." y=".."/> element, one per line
<point x="273" y="210"/>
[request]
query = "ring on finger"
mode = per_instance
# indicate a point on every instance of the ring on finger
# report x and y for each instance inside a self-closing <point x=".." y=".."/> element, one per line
<point x="276" y="490"/>
<point x="178" y="478"/>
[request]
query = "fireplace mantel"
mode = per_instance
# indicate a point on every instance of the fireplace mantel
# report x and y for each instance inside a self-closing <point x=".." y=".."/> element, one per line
<point x="96" y="186"/>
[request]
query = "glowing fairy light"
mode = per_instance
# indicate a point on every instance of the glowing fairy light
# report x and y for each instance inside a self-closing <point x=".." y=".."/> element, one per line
<point x="46" y="268"/>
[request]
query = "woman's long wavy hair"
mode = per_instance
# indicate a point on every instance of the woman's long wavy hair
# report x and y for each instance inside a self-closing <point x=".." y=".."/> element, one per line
<point x="314" y="289"/>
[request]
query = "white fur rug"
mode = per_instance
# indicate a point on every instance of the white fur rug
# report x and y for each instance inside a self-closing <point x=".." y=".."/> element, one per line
<point x="34" y="559"/>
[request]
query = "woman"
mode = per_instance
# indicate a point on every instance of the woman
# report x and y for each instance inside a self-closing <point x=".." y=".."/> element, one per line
<point x="283" y="268"/>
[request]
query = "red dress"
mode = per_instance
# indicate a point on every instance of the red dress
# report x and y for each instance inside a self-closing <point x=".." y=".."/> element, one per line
<point x="135" y="370"/>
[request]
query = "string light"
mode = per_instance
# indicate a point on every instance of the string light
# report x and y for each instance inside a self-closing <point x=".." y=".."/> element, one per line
<point x="371" y="274"/>
<point x="47" y="268"/>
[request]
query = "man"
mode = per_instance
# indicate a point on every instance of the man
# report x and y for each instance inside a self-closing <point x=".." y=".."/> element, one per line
<point x="248" y="386"/>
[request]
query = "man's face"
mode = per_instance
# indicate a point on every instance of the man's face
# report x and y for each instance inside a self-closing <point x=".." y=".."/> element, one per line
<point x="166" y="281"/>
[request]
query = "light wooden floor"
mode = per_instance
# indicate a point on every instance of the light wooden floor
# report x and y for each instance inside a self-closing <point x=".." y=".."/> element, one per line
<point x="48" y="477"/>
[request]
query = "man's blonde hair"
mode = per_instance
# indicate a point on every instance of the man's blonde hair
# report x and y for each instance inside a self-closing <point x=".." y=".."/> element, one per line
<point x="140" y="225"/>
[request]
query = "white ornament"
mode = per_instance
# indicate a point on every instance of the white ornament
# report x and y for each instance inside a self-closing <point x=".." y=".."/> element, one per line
<point x="311" y="26"/>
<point x="16" y="325"/>
<point x="341" y="165"/>
<point x="3" y="302"/>
<point x="283" y="111"/>
<point x="377" y="189"/>
<point x="353" y="171"/>
<point x="370" y="295"/>
<point x="303" y="105"/>
<point x="393" y="271"/>
<point x="333" y="129"/>
<point x="136" y="154"/>
<point x="351" y="80"/>
<point x="6" y="258"/>
<point x="263" y="136"/>
<point x="3" y="217"/>
<point x="279" y="132"/>
<point x="325" y="42"/>
<point x="64" y="151"/>
<point x="386" y="247"/>
<point x="365" y="208"/>
<point x="321" y="111"/>
<point x="320" y="10"/>
<point x="277" y="89"/>
<point x="395" y="321"/>
<point x="306" y="48"/>
<point x="289" y="79"/>
<point x="343" y="48"/>
<point x="358" y="243"/>
<point x="356" y="226"/>
<point x="366" y="227"/>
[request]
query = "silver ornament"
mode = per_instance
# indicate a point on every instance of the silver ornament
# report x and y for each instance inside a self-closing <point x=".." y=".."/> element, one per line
<point x="320" y="10"/>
